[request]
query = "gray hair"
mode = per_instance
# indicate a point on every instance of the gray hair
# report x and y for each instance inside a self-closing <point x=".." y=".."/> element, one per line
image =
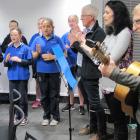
<point x="90" y="10"/>
<point x="136" y="8"/>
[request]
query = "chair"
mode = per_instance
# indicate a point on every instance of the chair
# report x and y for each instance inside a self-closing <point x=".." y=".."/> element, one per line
<point x="8" y="131"/>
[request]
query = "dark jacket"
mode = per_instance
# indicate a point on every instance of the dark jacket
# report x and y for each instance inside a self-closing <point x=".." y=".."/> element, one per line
<point x="89" y="69"/>
<point x="7" y="40"/>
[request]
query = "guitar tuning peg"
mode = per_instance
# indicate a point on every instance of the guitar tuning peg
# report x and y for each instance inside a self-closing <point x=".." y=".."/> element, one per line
<point x="102" y="43"/>
<point x="98" y="44"/>
<point x="104" y="49"/>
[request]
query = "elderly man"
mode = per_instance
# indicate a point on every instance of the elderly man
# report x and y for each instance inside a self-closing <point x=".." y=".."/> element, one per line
<point x="89" y="82"/>
<point x="133" y="82"/>
<point x="136" y="18"/>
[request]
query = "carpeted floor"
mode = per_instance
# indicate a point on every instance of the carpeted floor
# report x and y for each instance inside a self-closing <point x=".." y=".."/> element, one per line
<point x="59" y="132"/>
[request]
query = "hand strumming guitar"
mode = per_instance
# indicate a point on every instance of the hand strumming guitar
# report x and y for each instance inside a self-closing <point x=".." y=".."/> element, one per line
<point x="106" y="70"/>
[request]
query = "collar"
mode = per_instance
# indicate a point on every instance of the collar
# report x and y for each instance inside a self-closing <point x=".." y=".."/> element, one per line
<point x="91" y="26"/>
<point x="93" y="30"/>
<point x="95" y="26"/>
<point x="20" y="44"/>
<point x="52" y="36"/>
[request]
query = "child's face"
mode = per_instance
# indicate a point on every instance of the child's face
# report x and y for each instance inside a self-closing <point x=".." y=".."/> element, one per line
<point x="15" y="36"/>
<point x="12" y="25"/>
<point x="72" y="22"/>
<point x="47" y="28"/>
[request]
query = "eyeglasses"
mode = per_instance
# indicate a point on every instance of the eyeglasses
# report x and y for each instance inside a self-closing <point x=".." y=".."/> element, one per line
<point x="137" y="21"/>
<point x="82" y="16"/>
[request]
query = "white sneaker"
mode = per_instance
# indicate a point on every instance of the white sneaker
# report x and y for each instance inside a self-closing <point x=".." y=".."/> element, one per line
<point x="45" y="122"/>
<point x="24" y="122"/>
<point x="15" y="120"/>
<point x="53" y="122"/>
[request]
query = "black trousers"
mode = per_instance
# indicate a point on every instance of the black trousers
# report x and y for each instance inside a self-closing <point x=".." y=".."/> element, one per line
<point x="22" y="87"/>
<point x="50" y="89"/>
<point x="138" y="132"/>
<point x="90" y="91"/>
<point x="120" y="120"/>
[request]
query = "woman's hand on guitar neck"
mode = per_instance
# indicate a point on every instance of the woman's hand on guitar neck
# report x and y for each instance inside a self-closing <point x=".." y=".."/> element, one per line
<point x="106" y="70"/>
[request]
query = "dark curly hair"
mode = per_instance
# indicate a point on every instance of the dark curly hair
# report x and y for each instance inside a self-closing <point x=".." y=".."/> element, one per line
<point x="121" y="17"/>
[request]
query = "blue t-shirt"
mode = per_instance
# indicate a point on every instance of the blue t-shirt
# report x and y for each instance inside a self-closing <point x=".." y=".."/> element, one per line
<point x="46" y="47"/>
<point x="72" y="56"/>
<point x="16" y="71"/>
<point x="31" y="42"/>
<point x="33" y="38"/>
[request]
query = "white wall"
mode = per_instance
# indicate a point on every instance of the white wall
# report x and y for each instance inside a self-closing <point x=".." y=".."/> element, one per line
<point x="99" y="4"/>
<point x="27" y="12"/>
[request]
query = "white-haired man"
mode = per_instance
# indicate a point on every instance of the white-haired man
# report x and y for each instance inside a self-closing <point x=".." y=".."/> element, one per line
<point x="89" y="82"/>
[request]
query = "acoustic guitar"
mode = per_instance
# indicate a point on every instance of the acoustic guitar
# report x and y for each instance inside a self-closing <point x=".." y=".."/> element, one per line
<point x="121" y="92"/>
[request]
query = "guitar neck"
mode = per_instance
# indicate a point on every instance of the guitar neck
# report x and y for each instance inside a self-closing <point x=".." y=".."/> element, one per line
<point x="100" y="54"/>
<point x="95" y="51"/>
